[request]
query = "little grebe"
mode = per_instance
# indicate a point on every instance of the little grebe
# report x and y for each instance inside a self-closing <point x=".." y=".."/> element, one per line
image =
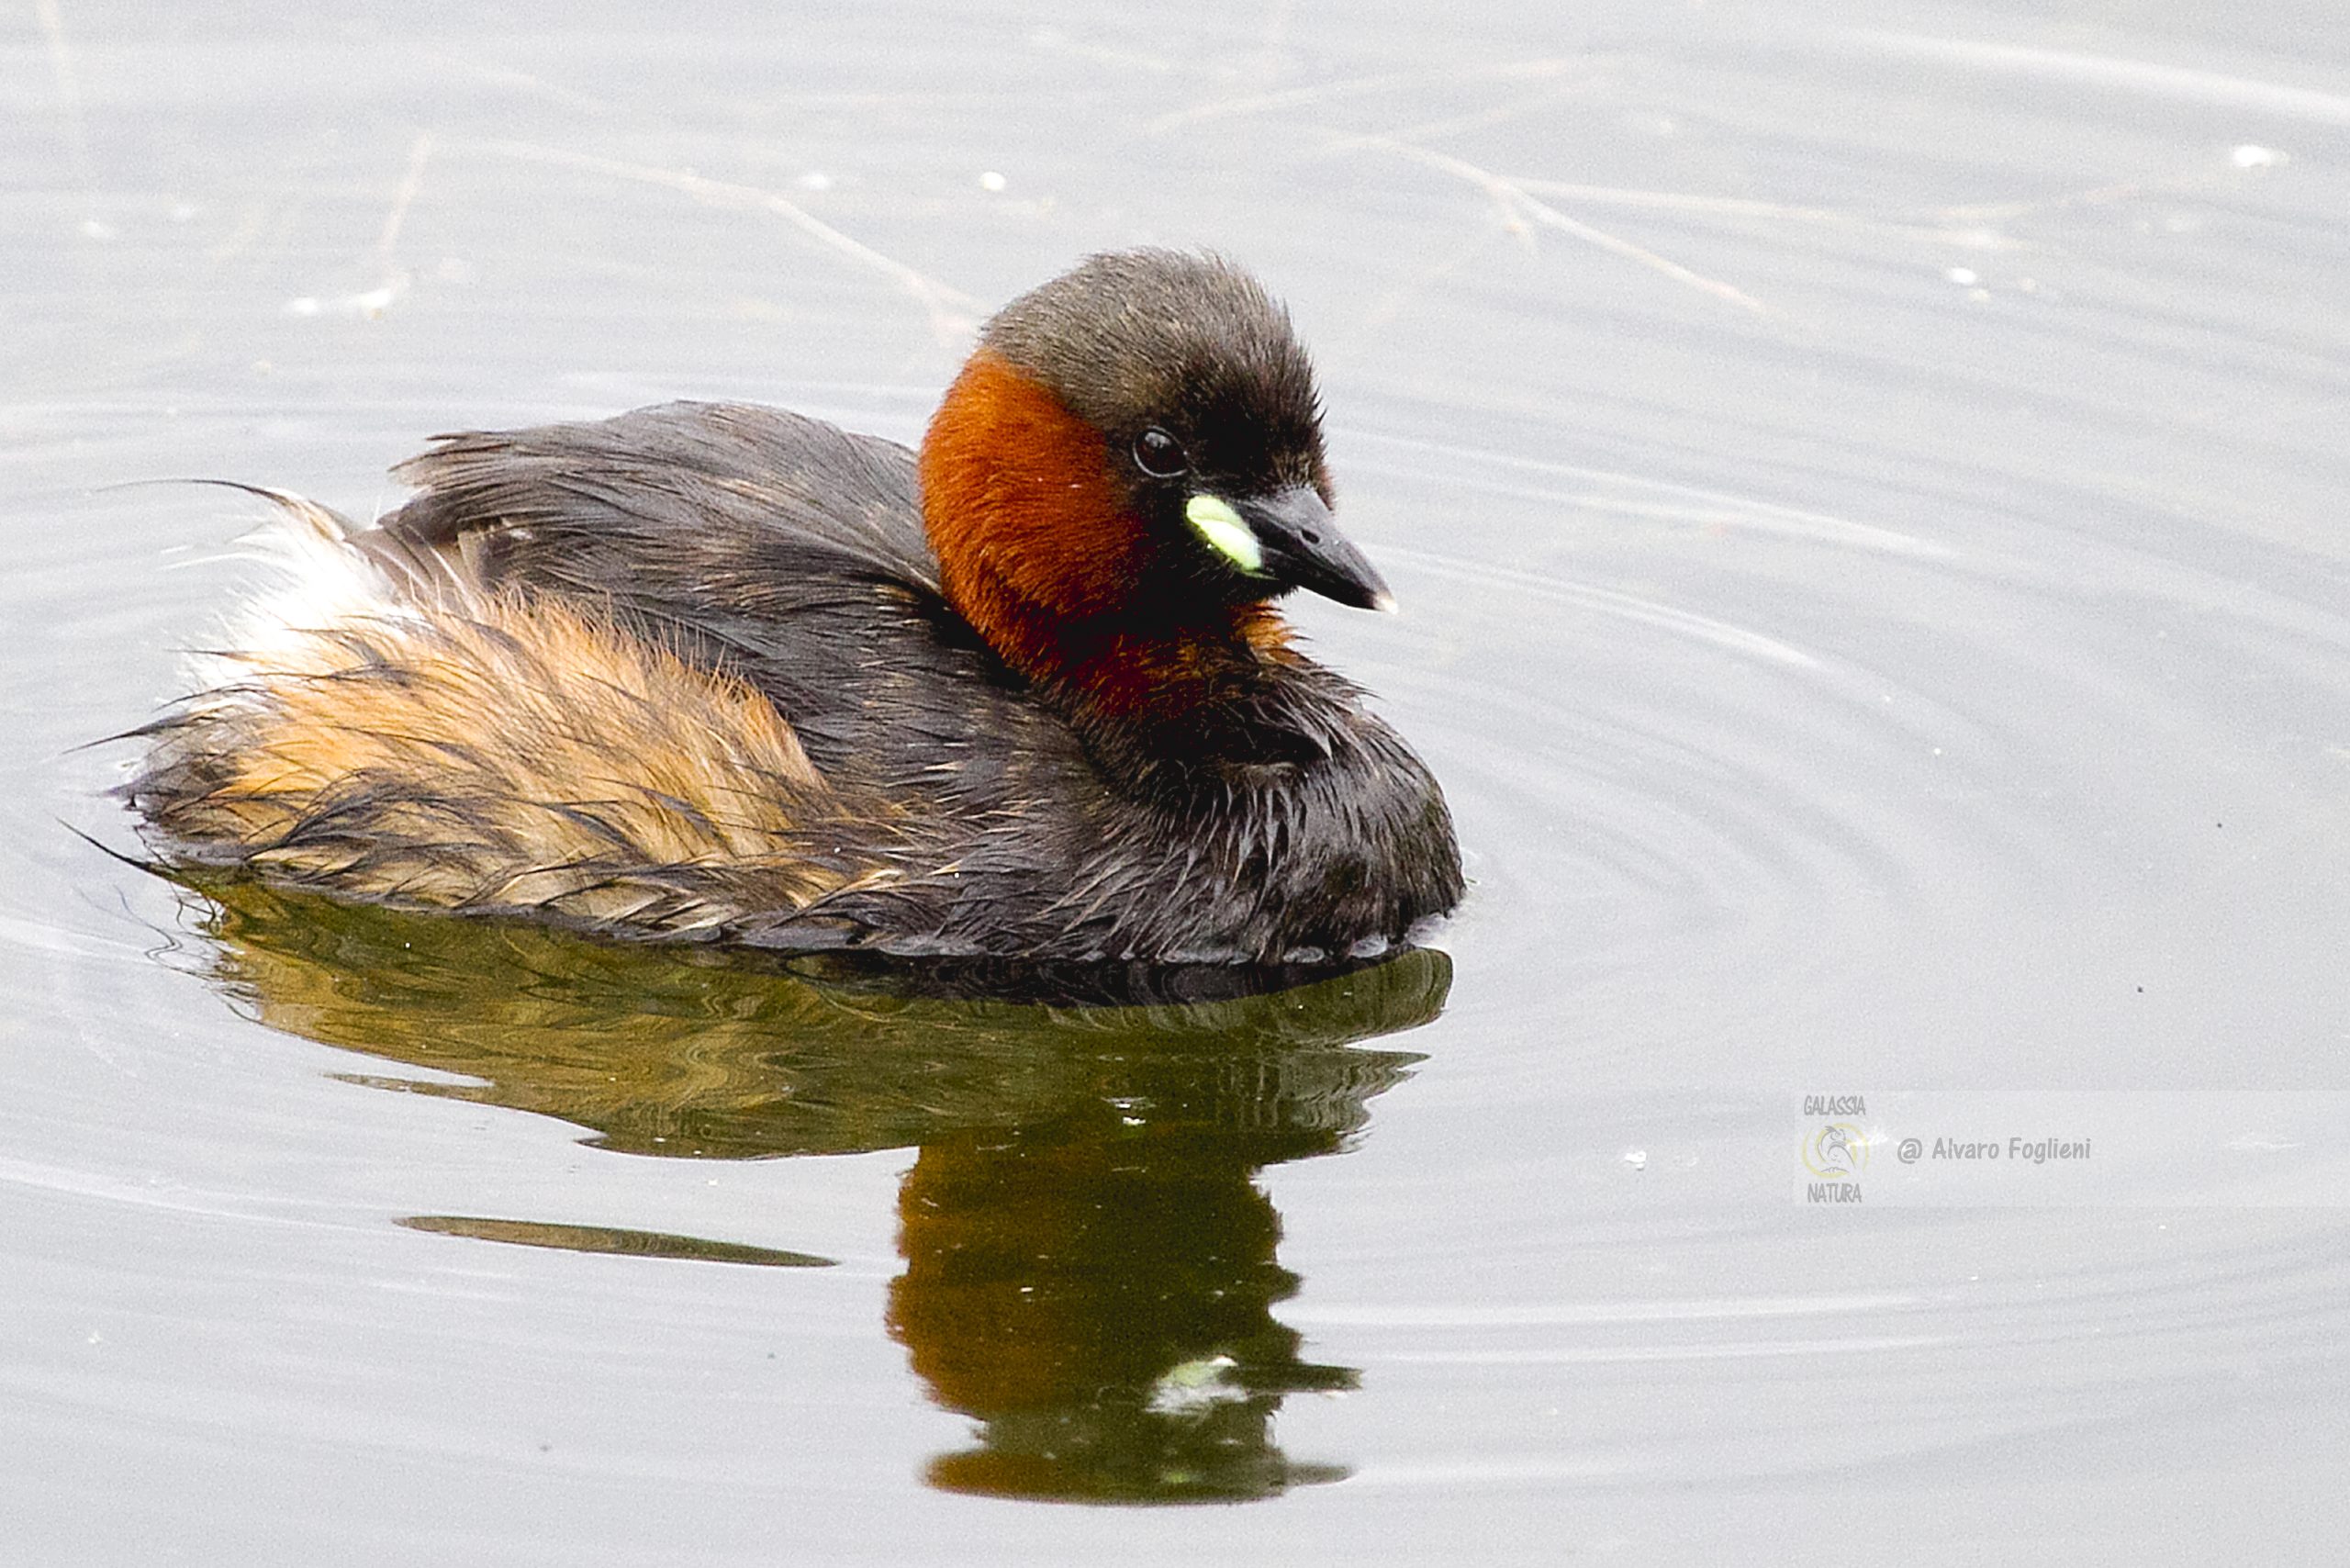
<point x="724" y="671"/>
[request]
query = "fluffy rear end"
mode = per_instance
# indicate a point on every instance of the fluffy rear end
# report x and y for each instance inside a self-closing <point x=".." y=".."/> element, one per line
<point x="386" y="729"/>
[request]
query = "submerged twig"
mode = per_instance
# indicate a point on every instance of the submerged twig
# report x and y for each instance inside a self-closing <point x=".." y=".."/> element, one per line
<point x="1520" y="206"/>
<point x="953" y="314"/>
<point x="1354" y="86"/>
<point x="411" y="183"/>
<point x="69" y="86"/>
<point x="1747" y="206"/>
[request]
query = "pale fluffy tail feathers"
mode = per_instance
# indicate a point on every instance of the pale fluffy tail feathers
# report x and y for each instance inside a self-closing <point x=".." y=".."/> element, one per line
<point x="380" y="726"/>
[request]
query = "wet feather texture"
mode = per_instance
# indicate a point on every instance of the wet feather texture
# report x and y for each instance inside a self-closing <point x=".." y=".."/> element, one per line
<point x="719" y="670"/>
<point x="502" y="754"/>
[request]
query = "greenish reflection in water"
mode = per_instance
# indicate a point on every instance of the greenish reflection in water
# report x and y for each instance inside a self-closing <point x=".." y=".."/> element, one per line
<point x="611" y="1238"/>
<point x="1091" y="1267"/>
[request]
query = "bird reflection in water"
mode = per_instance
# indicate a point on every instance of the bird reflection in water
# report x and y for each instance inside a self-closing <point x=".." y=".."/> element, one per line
<point x="1090" y="1265"/>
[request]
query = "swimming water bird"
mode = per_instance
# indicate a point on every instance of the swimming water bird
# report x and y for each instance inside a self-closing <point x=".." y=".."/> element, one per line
<point x="720" y="671"/>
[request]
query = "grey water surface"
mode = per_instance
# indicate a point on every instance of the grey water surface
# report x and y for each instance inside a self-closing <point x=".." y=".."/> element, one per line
<point x="1866" y="484"/>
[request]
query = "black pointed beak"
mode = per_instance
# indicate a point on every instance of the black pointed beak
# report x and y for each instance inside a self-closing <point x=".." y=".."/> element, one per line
<point x="1304" y="549"/>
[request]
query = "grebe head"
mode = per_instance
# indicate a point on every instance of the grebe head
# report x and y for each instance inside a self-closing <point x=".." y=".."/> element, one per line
<point x="1135" y="446"/>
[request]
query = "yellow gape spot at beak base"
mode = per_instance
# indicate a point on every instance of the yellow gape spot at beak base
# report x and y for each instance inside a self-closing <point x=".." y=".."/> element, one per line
<point x="1222" y="528"/>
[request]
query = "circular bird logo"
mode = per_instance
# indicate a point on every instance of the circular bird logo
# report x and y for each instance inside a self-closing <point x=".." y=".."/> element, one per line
<point x="1836" y="1148"/>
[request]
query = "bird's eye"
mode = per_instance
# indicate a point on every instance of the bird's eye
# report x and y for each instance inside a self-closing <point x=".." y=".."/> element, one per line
<point x="1158" y="454"/>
